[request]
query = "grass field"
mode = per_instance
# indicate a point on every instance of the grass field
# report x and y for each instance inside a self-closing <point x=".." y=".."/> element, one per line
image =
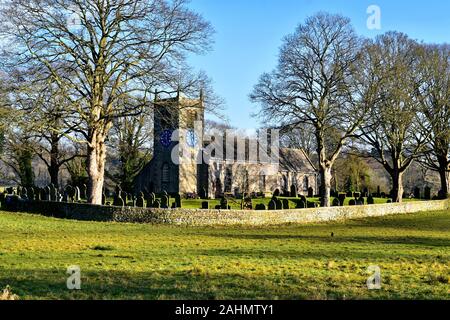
<point x="126" y="261"/>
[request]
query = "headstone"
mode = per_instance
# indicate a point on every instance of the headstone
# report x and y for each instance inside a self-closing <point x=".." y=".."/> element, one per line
<point x="77" y="197"/>
<point x="294" y="191"/>
<point x="24" y="193"/>
<point x="370" y="200"/>
<point x="151" y="200"/>
<point x="70" y="191"/>
<point x="352" y="202"/>
<point x="260" y="207"/>
<point x="178" y="201"/>
<point x="118" y="201"/>
<point x="365" y="192"/>
<point x="276" y="193"/>
<point x="336" y="202"/>
<point x="83" y="192"/>
<point x="342" y="197"/>
<point x="140" y="201"/>
<point x="65" y="197"/>
<point x="310" y="192"/>
<point x="301" y="204"/>
<point x="224" y="204"/>
<point x="279" y="204"/>
<point x="427" y="193"/>
<point x="286" y="205"/>
<point x="31" y="194"/>
<point x="47" y="192"/>
<point x="205" y="205"/>
<point x="361" y="200"/>
<point x="157" y="204"/>
<point x="272" y="205"/>
<point x="248" y="205"/>
<point x="165" y="201"/>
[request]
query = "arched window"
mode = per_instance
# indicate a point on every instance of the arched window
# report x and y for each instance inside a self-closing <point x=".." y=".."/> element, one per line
<point x="165" y="173"/>
<point x="228" y="179"/>
<point x="305" y="183"/>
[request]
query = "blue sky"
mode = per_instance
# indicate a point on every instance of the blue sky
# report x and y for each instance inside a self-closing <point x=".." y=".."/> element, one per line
<point x="249" y="33"/>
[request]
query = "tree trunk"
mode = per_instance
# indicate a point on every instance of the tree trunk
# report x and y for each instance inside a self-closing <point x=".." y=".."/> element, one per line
<point x="325" y="177"/>
<point x="444" y="183"/>
<point x="397" y="186"/>
<point x="96" y="156"/>
<point x="443" y="175"/>
<point x="53" y="169"/>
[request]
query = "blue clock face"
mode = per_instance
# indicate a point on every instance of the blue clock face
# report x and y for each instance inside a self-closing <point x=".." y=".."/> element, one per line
<point x="166" y="138"/>
<point x="191" y="138"/>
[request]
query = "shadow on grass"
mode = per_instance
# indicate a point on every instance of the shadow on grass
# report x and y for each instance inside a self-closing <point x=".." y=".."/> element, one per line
<point x="337" y="239"/>
<point x="191" y="285"/>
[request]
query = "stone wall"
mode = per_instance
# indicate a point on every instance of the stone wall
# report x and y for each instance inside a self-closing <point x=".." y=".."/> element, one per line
<point x="190" y="217"/>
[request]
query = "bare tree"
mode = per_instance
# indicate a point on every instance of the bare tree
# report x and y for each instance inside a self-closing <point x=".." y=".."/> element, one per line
<point x="131" y="144"/>
<point x="394" y="126"/>
<point x="106" y="54"/>
<point x="433" y="92"/>
<point x="314" y="85"/>
<point x="41" y="110"/>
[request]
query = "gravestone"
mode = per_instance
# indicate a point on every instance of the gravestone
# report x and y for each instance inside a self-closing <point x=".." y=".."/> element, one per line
<point x="151" y="200"/>
<point x="427" y="193"/>
<point x="370" y="200"/>
<point x="272" y="205"/>
<point x="342" y="197"/>
<point x="157" y="204"/>
<point x="47" y="192"/>
<point x="352" y="202"/>
<point x="77" y="197"/>
<point x="260" y="207"/>
<point x="118" y="201"/>
<point x="279" y="204"/>
<point x="140" y="201"/>
<point x="336" y="202"/>
<point x="31" y="194"/>
<point x="205" y="205"/>
<point x="301" y="204"/>
<point x="65" y="196"/>
<point x="178" y="203"/>
<point x="83" y="192"/>
<point x="294" y="191"/>
<point x="70" y="191"/>
<point x="276" y="193"/>
<point x="224" y="204"/>
<point x="417" y="193"/>
<point x="310" y="192"/>
<point x="24" y="193"/>
<point x="165" y="201"/>
<point x="286" y="205"/>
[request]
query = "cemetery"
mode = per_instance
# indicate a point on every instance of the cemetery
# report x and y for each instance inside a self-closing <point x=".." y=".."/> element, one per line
<point x="122" y="175"/>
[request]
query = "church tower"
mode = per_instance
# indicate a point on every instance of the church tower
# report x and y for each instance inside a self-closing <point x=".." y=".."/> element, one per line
<point x="167" y="171"/>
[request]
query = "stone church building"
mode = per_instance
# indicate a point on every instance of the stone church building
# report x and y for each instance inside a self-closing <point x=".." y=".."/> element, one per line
<point x="220" y="175"/>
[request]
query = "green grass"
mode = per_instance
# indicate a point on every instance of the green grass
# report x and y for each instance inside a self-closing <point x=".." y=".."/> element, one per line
<point x="127" y="261"/>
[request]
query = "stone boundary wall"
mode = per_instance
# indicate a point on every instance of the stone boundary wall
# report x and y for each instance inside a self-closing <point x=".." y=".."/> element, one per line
<point x="214" y="217"/>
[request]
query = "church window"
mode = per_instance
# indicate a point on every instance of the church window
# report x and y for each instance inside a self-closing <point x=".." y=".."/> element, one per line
<point x="305" y="183"/>
<point x="165" y="173"/>
<point x="262" y="182"/>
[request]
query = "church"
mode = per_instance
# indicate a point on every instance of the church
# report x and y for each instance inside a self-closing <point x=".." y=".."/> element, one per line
<point x="232" y="172"/>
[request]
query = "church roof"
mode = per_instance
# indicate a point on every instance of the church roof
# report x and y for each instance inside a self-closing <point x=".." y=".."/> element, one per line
<point x="295" y="160"/>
